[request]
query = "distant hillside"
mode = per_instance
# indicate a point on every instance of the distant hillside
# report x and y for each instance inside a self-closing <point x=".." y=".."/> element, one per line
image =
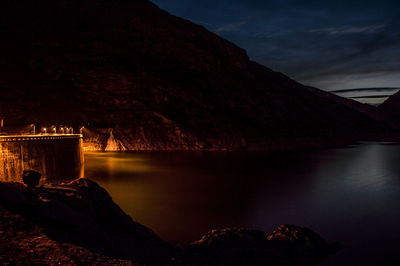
<point x="390" y="109"/>
<point x="160" y="81"/>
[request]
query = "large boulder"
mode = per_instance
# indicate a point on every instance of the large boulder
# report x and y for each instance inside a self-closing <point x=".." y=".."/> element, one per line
<point x="287" y="245"/>
<point x="82" y="213"/>
<point x="31" y="178"/>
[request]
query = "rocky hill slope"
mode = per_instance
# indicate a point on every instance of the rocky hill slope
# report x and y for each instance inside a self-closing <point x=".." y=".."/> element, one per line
<point x="390" y="110"/>
<point x="160" y="81"/>
<point x="71" y="223"/>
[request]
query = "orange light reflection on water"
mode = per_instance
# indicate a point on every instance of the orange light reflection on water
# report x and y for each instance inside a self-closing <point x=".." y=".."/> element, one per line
<point x="106" y="161"/>
<point x="161" y="194"/>
<point x="130" y="182"/>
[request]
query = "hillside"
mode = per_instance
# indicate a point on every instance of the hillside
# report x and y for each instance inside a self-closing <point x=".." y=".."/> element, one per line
<point x="160" y="81"/>
<point x="390" y="110"/>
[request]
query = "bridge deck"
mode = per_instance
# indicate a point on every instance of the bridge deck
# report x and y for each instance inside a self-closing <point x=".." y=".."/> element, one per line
<point x="14" y="138"/>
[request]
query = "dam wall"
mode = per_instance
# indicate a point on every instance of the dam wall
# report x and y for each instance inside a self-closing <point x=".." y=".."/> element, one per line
<point x="56" y="157"/>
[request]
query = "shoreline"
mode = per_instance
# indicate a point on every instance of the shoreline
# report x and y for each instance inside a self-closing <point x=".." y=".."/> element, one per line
<point x="79" y="217"/>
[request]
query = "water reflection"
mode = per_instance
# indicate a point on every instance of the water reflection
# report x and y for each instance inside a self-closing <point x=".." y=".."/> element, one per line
<point x="115" y="164"/>
<point x="349" y="194"/>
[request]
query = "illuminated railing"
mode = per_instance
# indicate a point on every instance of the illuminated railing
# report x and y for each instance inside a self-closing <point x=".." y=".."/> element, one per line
<point x="16" y="138"/>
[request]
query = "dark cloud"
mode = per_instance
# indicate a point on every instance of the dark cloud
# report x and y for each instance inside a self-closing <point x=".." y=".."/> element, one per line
<point x="328" y="44"/>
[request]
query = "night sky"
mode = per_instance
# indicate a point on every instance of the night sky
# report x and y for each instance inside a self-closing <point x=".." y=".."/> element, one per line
<point x="332" y="45"/>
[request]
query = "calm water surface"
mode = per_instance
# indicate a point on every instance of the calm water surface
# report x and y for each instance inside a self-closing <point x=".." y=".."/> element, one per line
<point x="350" y="195"/>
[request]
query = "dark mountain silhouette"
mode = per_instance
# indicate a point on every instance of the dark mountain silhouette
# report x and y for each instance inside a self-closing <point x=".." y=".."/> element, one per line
<point x="390" y="110"/>
<point x="160" y="81"/>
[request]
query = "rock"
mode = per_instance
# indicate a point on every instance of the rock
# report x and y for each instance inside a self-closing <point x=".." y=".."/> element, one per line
<point x="302" y="243"/>
<point x="78" y="223"/>
<point x="31" y="178"/>
<point x="82" y="213"/>
<point x="288" y="245"/>
<point x="24" y="243"/>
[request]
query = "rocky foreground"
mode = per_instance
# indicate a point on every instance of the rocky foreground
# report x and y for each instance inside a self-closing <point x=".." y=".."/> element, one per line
<point x="77" y="222"/>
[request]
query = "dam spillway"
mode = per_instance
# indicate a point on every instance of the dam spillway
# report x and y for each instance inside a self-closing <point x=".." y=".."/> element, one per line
<point x="56" y="157"/>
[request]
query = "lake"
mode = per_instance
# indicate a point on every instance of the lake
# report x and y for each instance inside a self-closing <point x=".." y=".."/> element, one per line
<point x="349" y="194"/>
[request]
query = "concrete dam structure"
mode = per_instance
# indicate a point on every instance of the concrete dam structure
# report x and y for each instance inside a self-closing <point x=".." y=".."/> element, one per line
<point x="56" y="157"/>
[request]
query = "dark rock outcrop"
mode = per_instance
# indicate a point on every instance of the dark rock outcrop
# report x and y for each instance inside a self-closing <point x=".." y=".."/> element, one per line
<point x="78" y="223"/>
<point x="160" y="81"/>
<point x="31" y="178"/>
<point x="24" y="243"/>
<point x="287" y="245"/>
<point x="82" y="214"/>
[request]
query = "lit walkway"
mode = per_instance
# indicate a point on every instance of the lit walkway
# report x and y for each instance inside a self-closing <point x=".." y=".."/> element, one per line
<point x="11" y="138"/>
